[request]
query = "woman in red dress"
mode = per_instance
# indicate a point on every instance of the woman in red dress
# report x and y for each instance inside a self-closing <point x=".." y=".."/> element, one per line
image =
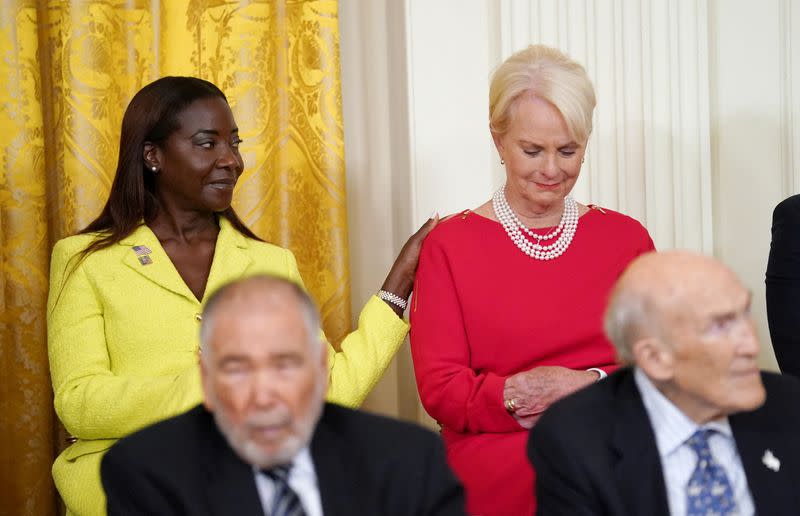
<point x="507" y="311"/>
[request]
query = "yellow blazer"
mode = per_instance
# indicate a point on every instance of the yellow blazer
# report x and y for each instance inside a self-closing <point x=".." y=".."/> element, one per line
<point x="123" y="341"/>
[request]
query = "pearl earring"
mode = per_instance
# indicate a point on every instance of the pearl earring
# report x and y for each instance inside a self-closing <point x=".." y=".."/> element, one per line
<point x="154" y="169"/>
<point x="502" y="162"/>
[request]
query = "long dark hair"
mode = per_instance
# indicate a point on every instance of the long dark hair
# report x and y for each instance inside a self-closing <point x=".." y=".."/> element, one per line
<point x="151" y="116"/>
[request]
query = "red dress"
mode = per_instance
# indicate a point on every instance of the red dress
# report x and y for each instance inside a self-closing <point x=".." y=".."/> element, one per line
<point x="482" y="310"/>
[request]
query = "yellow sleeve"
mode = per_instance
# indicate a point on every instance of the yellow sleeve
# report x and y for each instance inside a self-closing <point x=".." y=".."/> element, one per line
<point x="91" y="401"/>
<point x="366" y="352"/>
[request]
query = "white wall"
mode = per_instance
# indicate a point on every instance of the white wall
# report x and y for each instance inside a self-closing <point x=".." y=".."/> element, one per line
<point x="755" y="107"/>
<point x="695" y="131"/>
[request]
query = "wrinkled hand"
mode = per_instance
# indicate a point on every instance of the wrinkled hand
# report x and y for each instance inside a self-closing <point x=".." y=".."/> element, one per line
<point x="400" y="280"/>
<point x="538" y="388"/>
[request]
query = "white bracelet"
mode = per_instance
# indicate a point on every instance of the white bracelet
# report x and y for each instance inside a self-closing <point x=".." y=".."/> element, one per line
<point x="602" y="373"/>
<point x="393" y="299"/>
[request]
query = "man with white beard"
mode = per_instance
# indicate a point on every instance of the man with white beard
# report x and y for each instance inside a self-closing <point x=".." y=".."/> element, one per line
<point x="264" y="441"/>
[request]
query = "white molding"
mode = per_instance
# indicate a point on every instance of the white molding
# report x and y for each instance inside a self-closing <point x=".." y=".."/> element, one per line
<point x="792" y="28"/>
<point x="789" y="15"/>
<point x="413" y="170"/>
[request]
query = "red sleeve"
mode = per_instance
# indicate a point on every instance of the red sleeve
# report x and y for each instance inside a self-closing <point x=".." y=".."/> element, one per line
<point x="640" y="243"/>
<point x="647" y="243"/>
<point x="453" y="393"/>
<point x="644" y="245"/>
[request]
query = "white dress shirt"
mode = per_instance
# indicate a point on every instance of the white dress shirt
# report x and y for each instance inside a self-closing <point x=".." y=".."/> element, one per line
<point x="672" y="428"/>
<point x="302" y="479"/>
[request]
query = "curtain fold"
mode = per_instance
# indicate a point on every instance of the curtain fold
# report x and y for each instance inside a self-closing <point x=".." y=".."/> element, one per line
<point x="70" y="68"/>
<point x="26" y="413"/>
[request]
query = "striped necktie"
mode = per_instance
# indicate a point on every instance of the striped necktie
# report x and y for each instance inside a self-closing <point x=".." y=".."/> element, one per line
<point x="285" y="501"/>
<point x="708" y="492"/>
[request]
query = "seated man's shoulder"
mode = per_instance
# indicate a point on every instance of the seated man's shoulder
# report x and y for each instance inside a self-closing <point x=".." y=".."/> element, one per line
<point x="783" y="399"/>
<point x="376" y="431"/>
<point x="588" y="407"/>
<point x="396" y="467"/>
<point x="780" y="382"/>
<point x="171" y="437"/>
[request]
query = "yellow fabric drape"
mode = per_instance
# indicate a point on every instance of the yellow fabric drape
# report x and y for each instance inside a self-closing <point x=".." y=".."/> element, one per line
<point x="69" y="68"/>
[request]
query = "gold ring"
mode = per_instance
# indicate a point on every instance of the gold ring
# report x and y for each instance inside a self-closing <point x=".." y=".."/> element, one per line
<point x="511" y="405"/>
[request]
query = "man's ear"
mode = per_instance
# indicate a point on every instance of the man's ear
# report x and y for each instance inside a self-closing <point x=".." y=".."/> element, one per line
<point x="323" y="360"/>
<point x="655" y="358"/>
<point x="323" y="354"/>
<point x="150" y="155"/>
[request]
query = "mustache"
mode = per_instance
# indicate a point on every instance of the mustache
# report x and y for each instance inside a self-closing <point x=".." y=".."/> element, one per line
<point x="268" y="418"/>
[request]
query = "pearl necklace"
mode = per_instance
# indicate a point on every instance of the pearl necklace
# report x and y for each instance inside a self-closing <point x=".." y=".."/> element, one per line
<point x="515" y="228"/>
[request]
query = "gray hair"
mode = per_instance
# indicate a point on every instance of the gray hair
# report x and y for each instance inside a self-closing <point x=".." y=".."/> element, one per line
<point x="628" y="316"/>
<point x="224" y="295"/>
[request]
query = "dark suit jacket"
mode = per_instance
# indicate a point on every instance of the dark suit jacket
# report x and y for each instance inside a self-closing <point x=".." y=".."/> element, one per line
<point x="365" y="464"/>
<point x="595" y="453"/>
<point x="783" y="285"/>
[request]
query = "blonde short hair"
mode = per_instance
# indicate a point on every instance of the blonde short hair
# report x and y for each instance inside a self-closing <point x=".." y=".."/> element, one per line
<point x="548" y="74"/>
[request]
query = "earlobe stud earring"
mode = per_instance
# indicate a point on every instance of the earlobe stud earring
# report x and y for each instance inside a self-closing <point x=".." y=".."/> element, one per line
<point x="154" y="168"/>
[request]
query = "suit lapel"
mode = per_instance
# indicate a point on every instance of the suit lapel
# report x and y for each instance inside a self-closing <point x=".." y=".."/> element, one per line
<point x="231" y="257"/>
<point x="331" y="455"/>
<point x="231" y="482"/>
<point x="638" y="472"/>
<point x="772" y="491"/>
<point x="161" y="270"/>
<point x="231" y="260"/>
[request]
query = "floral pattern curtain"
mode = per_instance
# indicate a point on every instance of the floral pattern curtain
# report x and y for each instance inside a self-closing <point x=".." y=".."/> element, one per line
<point x="69" y="67"/>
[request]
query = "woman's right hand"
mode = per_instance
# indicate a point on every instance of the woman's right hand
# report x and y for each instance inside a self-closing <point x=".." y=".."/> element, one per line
<point x="536" y="389"/>
<point x="400" y="280"/>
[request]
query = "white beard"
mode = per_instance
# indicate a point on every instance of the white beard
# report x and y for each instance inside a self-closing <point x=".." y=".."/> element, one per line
<point x="250" y="452"/>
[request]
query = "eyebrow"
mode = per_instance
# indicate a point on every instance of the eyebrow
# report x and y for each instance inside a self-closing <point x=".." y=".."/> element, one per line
<point x="532" y="144"/>
<point x="277" y="355"/>
<point x="232" y="359"/>
<point x="214" y="131"/>
<point x="733" y="311"/>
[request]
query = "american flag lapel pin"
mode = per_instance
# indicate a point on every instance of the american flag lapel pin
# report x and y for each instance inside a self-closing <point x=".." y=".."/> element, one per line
<point x="771" y="461"/>
<point x="142" y="252"/>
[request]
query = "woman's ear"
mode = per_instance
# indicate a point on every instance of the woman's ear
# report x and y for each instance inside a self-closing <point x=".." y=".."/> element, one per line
<point x="498" y="143"/>
<point x="150" y="155"/>
<point x="654" y="357"/>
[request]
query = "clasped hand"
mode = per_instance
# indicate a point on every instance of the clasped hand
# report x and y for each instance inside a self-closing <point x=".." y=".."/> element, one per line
<point x="538" y="388"/>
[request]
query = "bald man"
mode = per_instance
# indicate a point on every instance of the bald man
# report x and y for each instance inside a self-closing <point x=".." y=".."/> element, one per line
<point x="691" y="426"/>
<point x="264" y="442"/>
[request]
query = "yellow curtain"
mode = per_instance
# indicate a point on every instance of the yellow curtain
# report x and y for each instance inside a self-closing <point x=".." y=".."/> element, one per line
<point x="69" y="68"/>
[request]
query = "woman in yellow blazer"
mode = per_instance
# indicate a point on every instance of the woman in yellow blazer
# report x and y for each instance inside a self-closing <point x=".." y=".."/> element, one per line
<point x="126" y="294"/>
